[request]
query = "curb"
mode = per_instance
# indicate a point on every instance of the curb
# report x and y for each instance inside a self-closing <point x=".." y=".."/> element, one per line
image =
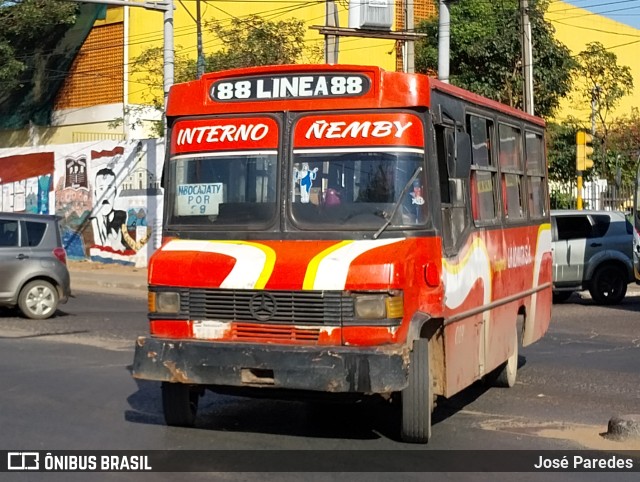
<point x="84" y="281"/>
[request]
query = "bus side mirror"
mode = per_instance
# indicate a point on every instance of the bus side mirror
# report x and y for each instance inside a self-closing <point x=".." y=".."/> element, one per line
<point x="459" y="155"/>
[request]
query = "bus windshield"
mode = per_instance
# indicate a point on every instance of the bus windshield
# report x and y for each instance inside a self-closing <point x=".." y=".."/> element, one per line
<point x="229" y="189"/>
<point x="357" y="189"/>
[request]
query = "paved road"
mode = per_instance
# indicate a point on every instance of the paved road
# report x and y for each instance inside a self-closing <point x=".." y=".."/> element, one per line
<point x="67" y="386"/>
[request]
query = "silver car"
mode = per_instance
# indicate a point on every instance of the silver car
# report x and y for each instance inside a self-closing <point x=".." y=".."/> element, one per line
<point x="592" y="250"/>
<point x="33" y="269"/>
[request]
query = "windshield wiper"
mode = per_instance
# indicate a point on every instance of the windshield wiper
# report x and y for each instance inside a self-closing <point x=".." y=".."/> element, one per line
<point x="399" y="202"/>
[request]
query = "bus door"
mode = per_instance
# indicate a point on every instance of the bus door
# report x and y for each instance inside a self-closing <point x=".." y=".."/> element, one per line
<point x="464" y="280"/>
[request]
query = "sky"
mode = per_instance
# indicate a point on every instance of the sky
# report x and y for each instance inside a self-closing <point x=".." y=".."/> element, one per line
<point x="623" y="11"/>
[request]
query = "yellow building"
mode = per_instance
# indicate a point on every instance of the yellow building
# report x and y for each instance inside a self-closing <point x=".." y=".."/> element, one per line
<point x="102" y="88"/>
<point x="102" y="98"/>
<point x="576" y="27"/>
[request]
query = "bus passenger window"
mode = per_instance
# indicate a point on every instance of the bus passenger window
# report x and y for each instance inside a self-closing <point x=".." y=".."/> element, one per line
<point x="512" y="196"/>
<point x="483" y="169"/>
<point x="510" y="158"/>
<point x="483" y="202"/>
<point x="535" y="166"/>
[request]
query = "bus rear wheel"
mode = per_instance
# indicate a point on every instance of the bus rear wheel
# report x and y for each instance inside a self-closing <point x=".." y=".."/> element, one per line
<point x="505" y="375"/>
<point x="179" y="404"/>
<point x="417" y="398"/>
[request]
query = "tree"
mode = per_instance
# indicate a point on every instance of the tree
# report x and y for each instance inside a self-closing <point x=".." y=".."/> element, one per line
<point x="245" y="42"/>
<point x="561" y="158"/>
<point x="602" y="80"/>
<point x="617" y="165"/>
<point x="561" y="151"/>
<point x="486" y="56"/>
<point x="26" y="27"/>
<point x="252" y="41"/>
<point x="624" y="134"/>
<point x="623" y="148"/>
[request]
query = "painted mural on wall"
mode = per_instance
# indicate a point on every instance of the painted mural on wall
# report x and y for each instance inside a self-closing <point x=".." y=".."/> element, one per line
<point x="106" y="193"/>
<point x="25" y="182"/>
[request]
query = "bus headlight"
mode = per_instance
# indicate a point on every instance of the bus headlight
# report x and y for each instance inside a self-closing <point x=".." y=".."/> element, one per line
<point x="164" y="302"/>
<point x="370" y="306"/>
<point x="376" y="307"/>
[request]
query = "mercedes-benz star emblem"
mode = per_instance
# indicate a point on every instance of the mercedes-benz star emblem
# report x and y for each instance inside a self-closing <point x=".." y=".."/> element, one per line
<point x="262" y="306"/>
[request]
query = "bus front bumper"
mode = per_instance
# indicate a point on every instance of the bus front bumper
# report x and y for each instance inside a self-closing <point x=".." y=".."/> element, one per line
<point x="325" y="369"/>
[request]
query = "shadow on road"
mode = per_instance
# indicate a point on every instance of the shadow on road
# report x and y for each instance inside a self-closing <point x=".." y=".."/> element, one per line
<point x="631" y="302"/>
<point x="371" y="418"/>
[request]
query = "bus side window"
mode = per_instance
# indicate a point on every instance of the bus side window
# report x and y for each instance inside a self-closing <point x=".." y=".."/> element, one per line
<point x="483" y="170"/>
<point x="452" y="191"/>
<point x="512" y="172"/>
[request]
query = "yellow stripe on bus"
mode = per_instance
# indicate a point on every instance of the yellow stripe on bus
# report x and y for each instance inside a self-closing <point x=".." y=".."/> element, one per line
<point x="312" y="269"/>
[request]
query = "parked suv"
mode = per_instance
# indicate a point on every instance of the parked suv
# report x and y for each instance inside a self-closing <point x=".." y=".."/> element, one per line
<point x="33" y="264"/>
<point x="592" y="250"/>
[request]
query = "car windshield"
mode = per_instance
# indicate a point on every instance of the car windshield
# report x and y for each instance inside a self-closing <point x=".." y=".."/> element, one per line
<point x="358" y="189"/>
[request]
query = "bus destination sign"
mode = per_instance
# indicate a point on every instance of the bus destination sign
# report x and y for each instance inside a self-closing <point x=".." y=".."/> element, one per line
<point x="295" y="86"/>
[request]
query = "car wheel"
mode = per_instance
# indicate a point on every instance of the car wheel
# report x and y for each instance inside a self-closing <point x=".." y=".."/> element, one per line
<point x="38" y="300"/>
<point x="417" y="398"/>
<point x="608" y="286"/>
<point x="179" y="404"/>
<point x="561" y="296"/>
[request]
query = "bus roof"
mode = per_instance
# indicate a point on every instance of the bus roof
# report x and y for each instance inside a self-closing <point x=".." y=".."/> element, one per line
<point x="484" y="101"/>
<point x="314" y="87"/>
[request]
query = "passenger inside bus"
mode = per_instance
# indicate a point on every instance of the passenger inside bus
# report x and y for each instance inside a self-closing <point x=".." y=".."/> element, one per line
<point x="332" y="197"/>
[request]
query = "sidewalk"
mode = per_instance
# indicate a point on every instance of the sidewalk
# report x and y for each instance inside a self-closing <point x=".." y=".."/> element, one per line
<point x="89" y="276"/>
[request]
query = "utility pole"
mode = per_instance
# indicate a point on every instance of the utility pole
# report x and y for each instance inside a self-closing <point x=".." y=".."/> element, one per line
<point x="331" y="42"/>
<point x="444" y="36"/>
<point x="200" y="53"/>
<point x="168" y="52"/>
<point x="527" y="57"/>
<point x="332" y="33"/>
<point x="410" y="62"/>
<point x="200" y="64"/>
<point x="595" y="96"/>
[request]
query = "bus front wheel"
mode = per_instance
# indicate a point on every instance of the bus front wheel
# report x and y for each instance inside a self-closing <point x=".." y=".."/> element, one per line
<point x="179" y="404"/>
<point x="417" y="398"/>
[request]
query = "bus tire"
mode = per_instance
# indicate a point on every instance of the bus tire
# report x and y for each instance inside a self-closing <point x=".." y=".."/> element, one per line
<point x="417" y="398"/>
<point x="179" y="404"/>
<point x="505" y="375"/>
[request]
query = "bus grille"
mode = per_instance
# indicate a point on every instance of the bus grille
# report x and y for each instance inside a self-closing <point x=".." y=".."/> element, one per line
<point x="251" y="331"/>
<point x="263" y="306"/>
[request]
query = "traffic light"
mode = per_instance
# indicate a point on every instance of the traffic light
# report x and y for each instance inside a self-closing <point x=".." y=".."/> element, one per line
<point x="584" y="151"/>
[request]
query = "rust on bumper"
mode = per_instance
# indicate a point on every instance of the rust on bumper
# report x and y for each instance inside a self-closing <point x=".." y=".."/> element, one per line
<point x="336" y="369"/>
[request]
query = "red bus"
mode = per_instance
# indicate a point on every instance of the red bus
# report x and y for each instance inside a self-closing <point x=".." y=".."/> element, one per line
<point x="346" y="230"/>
